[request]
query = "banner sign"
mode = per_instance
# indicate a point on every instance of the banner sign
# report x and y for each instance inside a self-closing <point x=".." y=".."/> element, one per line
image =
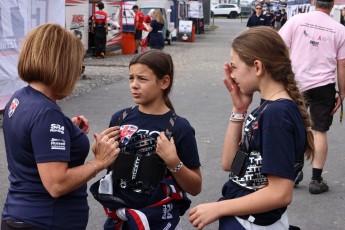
<point x="128" y="16"/>
<point x="77" y="14"/>
<point x="185" y="30"/>
<point x="195" y="10"/>
<point x="17" y="18"/>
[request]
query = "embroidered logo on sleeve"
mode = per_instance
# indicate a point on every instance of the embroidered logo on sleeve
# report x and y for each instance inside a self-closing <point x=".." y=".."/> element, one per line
<point x="56" y="128"/>
<point x="57" y="144"/>
<point x="13" y="106"/>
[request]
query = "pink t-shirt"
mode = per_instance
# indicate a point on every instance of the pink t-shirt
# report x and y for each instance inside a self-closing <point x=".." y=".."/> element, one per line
<point x="316" y="41"/>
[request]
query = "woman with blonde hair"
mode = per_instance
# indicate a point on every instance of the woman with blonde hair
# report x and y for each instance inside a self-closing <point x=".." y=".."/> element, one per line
<point x="156" y="30"/>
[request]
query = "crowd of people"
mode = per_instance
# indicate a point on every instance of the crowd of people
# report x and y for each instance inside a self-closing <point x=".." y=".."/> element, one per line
<point x="151" y="154"/>
<point x="148" y="30"/>
<point x="153" y="23"/>
<point x="275" y="19"/>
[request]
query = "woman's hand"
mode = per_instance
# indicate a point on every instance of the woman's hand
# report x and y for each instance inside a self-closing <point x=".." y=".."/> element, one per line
<point x="112" y="132"/>
<point x="240" y="100"/>
<point x="204" y="214"/>
<point x="82" y="123"/>
<point x="106" y="147"/>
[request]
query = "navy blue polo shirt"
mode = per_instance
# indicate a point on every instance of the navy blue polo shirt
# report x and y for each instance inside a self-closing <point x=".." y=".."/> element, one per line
<point x="257" y="21"/>
<point x="36" y="131"/>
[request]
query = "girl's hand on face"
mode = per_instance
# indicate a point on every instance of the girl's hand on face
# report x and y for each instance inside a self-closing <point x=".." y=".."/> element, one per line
<point x="166" y="148"/>
<point x="82" y="123"/>
<point x="240" y="100"/>
<point x="203" y="214"/>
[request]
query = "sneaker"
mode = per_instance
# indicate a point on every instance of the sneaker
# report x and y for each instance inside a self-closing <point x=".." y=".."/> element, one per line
<point x="316" y="187"/>
<point x="298" y="178"/>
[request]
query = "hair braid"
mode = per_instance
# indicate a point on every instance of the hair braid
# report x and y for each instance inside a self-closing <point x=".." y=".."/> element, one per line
<point x="297" y="97"/>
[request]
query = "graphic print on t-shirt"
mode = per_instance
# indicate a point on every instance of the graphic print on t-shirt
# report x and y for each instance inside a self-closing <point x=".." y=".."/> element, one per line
<point x="126" y="132"/>
<point x="58" y="144"/>
<point x="253" y="179"/>
<point x="317" y="37"/>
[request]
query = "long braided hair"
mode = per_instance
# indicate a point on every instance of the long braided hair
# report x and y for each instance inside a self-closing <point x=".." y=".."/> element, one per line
<point x="264" y="44"/>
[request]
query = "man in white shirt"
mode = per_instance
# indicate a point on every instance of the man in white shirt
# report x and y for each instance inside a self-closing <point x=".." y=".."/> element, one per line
<point x="317" y="51"/>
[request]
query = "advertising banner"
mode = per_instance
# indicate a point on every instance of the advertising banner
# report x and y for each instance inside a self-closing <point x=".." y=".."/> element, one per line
<point x="195" y="10"/>
<point x="128" y="16"/>
<point x="17" y="18"/>
<point x="185" y="31"/>
<point x="77" y="12"/>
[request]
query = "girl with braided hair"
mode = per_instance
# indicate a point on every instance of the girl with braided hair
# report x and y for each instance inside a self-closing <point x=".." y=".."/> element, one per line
<point x="276" y="136"/>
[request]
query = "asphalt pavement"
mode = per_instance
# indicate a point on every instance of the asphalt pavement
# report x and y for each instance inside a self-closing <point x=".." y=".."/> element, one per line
<point x="200" y="96"/>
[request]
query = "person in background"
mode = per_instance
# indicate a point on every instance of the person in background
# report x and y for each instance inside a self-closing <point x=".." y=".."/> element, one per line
<point x="317" y="53"/>
<point x="162" y="144"/>
<point x="155" y="30"/>
<point x="283" y="18"/>
<point x="100" y="29"/>
<point x="272" y="21"/>
<point x="91" y="40"/>
<point x="277" y="19"/>
<point x="276" y="135"/>
<point x="146" y="34"/>
<point x="269" y="18"/>
<point x="138" y="27"/>
<point x="46" y="150"/>
<point x="342" y="16"/>
<point x="257" y="19"/>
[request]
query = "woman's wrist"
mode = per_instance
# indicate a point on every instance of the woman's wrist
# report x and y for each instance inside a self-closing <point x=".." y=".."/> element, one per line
<point x="99" y="164"/>
<point x="94" y="167"/>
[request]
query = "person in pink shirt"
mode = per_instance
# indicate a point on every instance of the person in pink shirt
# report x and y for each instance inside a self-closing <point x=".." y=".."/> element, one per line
<point x="317" y="52"/>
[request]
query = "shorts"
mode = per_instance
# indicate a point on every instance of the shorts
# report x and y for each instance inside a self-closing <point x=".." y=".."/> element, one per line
<point x="138" y="34"/>
<point x="321" y="102"/>
<point x="236" y="223"/>
<point x="282" y="224"/>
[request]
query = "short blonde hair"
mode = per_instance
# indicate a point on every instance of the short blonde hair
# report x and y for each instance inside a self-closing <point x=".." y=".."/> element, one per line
<point x="53" y="56"/>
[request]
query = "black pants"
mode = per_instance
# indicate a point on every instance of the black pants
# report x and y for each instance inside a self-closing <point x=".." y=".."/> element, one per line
<point x="100" y="38"/>
<point x="15" y="225"/>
